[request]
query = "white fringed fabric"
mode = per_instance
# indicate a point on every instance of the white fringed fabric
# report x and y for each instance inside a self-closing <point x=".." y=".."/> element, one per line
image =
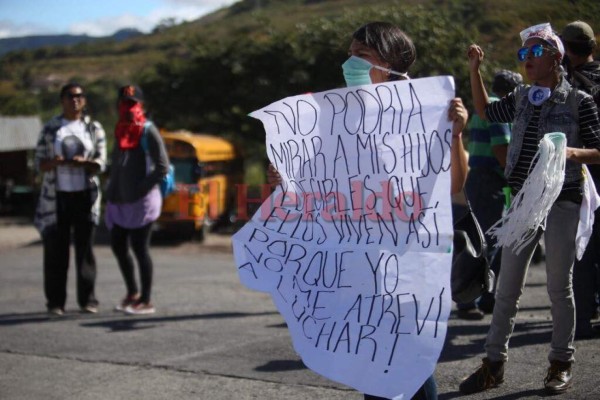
<point x="591" y="201"/>
<point x="531" y="205"/>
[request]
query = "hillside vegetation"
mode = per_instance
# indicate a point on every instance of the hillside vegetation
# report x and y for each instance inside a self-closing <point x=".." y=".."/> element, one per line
<point x="207" y="75"/>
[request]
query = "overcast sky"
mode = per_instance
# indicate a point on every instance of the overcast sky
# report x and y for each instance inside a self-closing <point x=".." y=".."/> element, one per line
<point x="95" y="17"/>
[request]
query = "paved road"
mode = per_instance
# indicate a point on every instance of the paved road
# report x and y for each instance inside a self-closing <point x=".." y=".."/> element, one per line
<point x="212" y="338"/>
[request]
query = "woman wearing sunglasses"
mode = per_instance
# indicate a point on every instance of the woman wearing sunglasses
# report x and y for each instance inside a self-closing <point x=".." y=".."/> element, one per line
<point x="70" y="154"/>
<point x="550" y="104"/>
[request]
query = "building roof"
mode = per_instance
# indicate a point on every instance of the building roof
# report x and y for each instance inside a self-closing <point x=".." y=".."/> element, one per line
<point x="19" y="133"/>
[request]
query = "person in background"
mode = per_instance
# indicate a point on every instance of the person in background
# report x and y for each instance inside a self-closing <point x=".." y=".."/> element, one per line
<point x="584" y="74"/>
<point x="139" y="163"/>
<point x="488" y="143"/>
<point x="382" y="52"/>
<point x="551" y="104"/>
<point x="70" y="153"/>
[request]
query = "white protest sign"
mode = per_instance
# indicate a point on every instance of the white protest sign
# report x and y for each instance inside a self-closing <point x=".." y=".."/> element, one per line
<point x="355" y="245"/>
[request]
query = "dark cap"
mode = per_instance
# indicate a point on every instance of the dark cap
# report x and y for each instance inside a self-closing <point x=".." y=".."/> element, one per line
<point x="505" y="81"/>
<point x="131" y="92"/>
<point x="578" y="31"/>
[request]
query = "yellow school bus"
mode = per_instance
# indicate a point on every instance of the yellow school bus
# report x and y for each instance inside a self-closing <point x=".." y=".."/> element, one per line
<point x="207" y="167"/>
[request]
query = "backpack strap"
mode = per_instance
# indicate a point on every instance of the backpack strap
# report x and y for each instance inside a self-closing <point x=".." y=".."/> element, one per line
<point x="144" y="138"/>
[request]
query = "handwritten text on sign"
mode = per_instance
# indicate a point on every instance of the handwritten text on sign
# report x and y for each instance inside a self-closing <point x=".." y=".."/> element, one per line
<point x="355" y="244"/>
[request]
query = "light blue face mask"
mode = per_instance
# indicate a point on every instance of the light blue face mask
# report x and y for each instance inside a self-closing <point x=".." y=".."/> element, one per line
<point x="538" y="95"/>
<point x="356" y="71"/>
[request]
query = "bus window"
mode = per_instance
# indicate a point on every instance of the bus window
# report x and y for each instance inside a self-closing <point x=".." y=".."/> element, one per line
<point x="185" y="170"/>
<point x="206" y="172"/>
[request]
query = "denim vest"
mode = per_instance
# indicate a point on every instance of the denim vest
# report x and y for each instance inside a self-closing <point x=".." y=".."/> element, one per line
<point x="560" y="113"/>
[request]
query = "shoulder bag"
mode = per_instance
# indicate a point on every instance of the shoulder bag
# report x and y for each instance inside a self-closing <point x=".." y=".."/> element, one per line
<point x="471" y="275"/>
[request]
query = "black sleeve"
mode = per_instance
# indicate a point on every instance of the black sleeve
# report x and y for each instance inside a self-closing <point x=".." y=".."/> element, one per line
<point x="589" y="126"/>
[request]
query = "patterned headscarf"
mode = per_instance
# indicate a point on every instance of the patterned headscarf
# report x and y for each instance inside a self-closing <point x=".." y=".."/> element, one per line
<point x="543" y="31"/>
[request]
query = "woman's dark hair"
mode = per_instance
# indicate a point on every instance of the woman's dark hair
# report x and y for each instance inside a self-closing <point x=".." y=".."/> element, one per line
<point x="65" y="89"/>
<point x="393" y="45"/>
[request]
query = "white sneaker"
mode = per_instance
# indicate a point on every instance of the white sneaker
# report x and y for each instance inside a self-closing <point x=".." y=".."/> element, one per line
<point x="89" y="309"/>
<point x="140" y="309"/>
<point x="127" y="301"/>
<point x="55" y="312"/>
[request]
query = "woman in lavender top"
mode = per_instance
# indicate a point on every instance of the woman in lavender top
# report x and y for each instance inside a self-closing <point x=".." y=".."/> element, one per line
<point x="139" y="163"/>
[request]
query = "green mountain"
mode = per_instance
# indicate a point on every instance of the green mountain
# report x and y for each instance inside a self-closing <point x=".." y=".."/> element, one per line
<point x="37" y="41"/>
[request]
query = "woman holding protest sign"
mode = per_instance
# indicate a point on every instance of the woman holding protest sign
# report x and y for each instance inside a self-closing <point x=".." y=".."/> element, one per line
<point x="549" y="105"/>
<point x="381" y="52"/>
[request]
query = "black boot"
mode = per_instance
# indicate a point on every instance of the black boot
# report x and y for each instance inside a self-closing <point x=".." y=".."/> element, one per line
<point x="489" y="375"/>
<point x="559" y="377"/>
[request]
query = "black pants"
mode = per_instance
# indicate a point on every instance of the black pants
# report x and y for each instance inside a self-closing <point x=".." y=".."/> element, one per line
<point x="139" y="238"/>
<point x="586" y="274"/>
<point x="73" y="215"/>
